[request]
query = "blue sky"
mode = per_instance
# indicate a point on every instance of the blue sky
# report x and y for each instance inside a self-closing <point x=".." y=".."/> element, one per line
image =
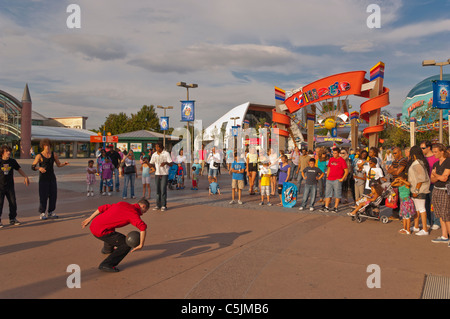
<point x="130" y="53"/>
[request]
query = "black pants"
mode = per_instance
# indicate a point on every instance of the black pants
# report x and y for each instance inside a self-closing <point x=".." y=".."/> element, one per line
<point x="11" y="197"/>
<point x="112" y="240"/>
<point x="47" y="192"/>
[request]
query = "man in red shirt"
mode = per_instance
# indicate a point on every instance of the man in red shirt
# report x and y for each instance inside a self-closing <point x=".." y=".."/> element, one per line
<point x="337" y="172"/>
<point x="106" y="219"/>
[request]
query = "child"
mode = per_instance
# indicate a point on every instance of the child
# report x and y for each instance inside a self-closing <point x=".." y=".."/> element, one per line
<point x="196" y="169"/>
<point x="90" y="178"/>
<point x="107" y="173"/>
<point x="265" y="183"/>
<point x="146" y="170"/>
<point x="237" y="182"/>
<point x="180" y="176"/>
<point x="214" y="186"/>
<point x="376" y="191"/>
<point x="311" y="175"/>
<point x="283" y="176"/>
<point x="407" y="208"/>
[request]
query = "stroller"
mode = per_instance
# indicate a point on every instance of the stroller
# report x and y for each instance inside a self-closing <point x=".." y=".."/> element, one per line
<point x="172" y="178"/>
<point x="372" y="209"/>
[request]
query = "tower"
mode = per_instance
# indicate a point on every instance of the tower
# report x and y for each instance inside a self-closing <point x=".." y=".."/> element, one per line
<point x="25" y="135"/>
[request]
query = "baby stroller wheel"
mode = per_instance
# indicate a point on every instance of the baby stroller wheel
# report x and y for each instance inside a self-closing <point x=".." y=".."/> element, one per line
<point x="358" y="218"/>
<point x="384" y="219"/>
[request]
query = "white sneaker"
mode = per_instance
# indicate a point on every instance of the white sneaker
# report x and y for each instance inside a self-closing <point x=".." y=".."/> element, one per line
<point x="300" y="208"/>
<point x="103" y="194"/>
<point x="109" y="194"/>
<point x="239" y="202"/>
<point x="232" y="202"/>
<point x="43" y="216"/>
<point x="435" y="227"/>
<point x="88" y="194"/>
<point x="311" y="209"/>
<point x="422" y="233"/>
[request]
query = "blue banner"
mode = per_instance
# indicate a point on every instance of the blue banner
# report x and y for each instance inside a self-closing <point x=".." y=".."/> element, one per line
<point x="440" y="94"/>
<point x="164" y="123"/>
<point x="187" y="111"/>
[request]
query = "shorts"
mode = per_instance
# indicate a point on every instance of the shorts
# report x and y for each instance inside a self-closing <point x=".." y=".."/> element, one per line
<point x="420" y="205"/>
<point x="213" y="172"/>
<point x="252" y="167"/>
<point x="180" y="179"/>
<point x="333" y="189"/>
<point x="237" y="184"/>
<point x="407" y="209"/>
<point x="145" y="180"/>
<point x="265" y="190"/>
<point x="108" y="182"/>
<point x="441" y="204"/>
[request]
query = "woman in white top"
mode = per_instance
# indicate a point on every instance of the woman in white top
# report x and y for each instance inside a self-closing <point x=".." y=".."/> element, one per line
<point x="182" y="159"/>
<point x="418" y="169"/>
<point x="274" y="164"/>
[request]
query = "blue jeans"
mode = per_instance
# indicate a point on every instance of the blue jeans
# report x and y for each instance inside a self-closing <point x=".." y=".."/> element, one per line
<point x="116" y="178"/>
<point x="299" y="181"/>
<point x="161" y="190"/>
<point x="310" y="190"/>
<point x="129" y="178"/>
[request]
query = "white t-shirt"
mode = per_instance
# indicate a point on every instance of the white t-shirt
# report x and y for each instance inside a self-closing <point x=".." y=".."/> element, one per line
<point x="157" y="159"/>
<point x="213" y="158"/>
<point x="181" y="159"/>
<point x="375" y="173"/>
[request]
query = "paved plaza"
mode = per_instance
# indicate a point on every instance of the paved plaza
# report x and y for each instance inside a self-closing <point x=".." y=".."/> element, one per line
<point x="203" y="248"/>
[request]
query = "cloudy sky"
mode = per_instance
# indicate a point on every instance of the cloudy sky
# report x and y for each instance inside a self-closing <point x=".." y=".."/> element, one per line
<point x="130" y="53"/>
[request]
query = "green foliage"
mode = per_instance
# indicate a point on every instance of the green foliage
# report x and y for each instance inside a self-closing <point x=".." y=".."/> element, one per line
<point x="145" y="119"/>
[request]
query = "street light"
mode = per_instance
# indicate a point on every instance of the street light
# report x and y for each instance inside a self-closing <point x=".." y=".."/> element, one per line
<point x="234" y="137"/>
<point x="164" y="108"/>
<point x="188" y="86"/>
<point x="441" y="111"/>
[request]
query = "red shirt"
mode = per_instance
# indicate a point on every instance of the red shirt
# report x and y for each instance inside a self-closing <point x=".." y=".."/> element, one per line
<point x="116" y="215"/>
<point x="337" y="166"/>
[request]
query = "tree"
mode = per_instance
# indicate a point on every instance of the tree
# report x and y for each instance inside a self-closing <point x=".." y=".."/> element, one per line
<point x="145" y="119"/>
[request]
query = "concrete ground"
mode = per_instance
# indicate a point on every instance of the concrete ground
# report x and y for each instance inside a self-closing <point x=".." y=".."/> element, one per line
<point x="203" y="248"/>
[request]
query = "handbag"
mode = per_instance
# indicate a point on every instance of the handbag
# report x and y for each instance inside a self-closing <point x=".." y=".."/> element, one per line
<point x="391" y="201"/>
<point x="131" y="169"/>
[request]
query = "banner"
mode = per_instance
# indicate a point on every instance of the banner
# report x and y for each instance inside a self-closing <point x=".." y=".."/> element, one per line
<point x="164" y="123"/>
<point x="440" y="94"/>
<point x="342" y="84"/>
<point x="187" y="111"/>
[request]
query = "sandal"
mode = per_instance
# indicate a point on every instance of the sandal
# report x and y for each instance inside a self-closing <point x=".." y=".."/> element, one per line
<point x="404" y="232"/>
<point x="351" y="215"/>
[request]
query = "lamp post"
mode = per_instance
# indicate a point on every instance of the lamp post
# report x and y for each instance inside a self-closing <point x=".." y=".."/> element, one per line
<point x="164" y="108"/>
<point x="235" y="137"/>
<point x="188" y="86"/>
<point x="441" y="111"/>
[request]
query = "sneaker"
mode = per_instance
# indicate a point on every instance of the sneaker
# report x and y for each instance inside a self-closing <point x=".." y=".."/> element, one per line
<point x="156" y="208"/>
<point x="103" y="194"/>
<point x="300" y="208"/>
<point x="1" y="225"/>
<point x="164" y="208"/>
<point x="269" y="204"/>
<point x="133" y="197"/>
<point x="108" y="268"/>
<point x="239" y="202"/>
<point x="334" y="210"/>
<point x="232" y="202"/>
<point x="92" y="194"/>
<point x="14" y="222"/>
<point x="311" y="209"/>
<point x="440" y="239"/>
<point x="261" y="203"/>
<point x="325" y="209"/>
<point x="52" y="215"/>
<point x="435" y="227"/>
<point x="422" y="233"/>
<point x="109" y="194"/>
<point x="43" y="216"/>
<point x="88" y="194"/>
<point x="414" y="229"/>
